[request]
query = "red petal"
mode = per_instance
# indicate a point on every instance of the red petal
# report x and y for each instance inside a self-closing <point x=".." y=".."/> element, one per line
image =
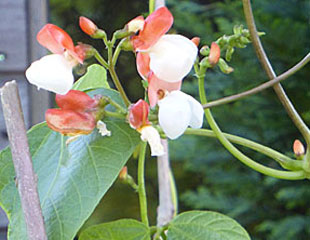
<point x="156" y="84"/>
<point x="87" y="26"/>
<point x="55" y="39"/>
<point x="75" y="100"/>
<point x="70" y="122"/>
<point x="155" y="26"/>
<point x="138" y="114"/>
<point x="143" y="64"/>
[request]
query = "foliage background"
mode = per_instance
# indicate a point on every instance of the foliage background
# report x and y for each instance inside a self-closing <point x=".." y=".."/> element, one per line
<point x="207" y="176"/>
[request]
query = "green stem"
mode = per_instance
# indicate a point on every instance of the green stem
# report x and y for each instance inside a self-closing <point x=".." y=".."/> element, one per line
<point x="151" y="6"/>
<point x="261" y="87"/>
<point x="100" y="59"/>
<point x="116" y="105"/>
<point x="141" y="184"/>
<point x="115" y="77"/>
<point x="114" y="114"/>
<point x="282" y="159"/>
<point x="117" y="51"/>
<point x="260" y="52"/>
<point x="297" y="175"/>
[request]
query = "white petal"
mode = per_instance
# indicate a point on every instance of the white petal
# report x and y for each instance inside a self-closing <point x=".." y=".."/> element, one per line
<point x="174" y="114"/>
<point x="52" y="72"/>
<point x="197" y="112"/>
<point x="102" y="127"/>
<point x="172" y="57"/>
<point x="151" y="135"/>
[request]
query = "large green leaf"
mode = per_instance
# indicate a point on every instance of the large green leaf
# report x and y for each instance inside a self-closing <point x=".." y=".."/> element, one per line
<point x="96" y="77"/>
<point x="205" y="225"/>
<point x="125" y="229"/>
<point x="71" y="179"/>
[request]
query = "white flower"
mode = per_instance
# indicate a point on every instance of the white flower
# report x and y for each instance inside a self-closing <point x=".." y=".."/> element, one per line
<point x="151" y="135"/>
<point x="52" y="72"/>
<point x="177" y="111"/>
<point x="172" y="57"/>
<point x="102" y="127"/>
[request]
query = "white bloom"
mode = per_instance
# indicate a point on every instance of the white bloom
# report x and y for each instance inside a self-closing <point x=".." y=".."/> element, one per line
<point x="177" y="111"/>
<point x="151" y="135"/>
<point x="102" y="127"/>
<point x="172" y="57"/>
<point x="52" y="72"/>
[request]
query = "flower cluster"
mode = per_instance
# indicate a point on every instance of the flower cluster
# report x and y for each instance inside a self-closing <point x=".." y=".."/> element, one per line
<point x="162" y="59"/>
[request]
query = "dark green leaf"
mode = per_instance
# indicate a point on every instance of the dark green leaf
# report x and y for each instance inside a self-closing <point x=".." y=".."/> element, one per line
<point x="125" y="229"/>
<point x="205" y="225"/>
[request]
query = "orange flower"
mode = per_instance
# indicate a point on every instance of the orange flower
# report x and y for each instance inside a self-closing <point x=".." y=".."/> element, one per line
<point x="77" y="114"/>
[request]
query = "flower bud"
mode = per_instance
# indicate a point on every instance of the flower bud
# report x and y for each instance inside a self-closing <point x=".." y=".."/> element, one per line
<point x="224" y="66"/>
<point x="84" y="51"/>
<point x="205" y="50"/>
<point x="138" y="114"/>
<point x="123" y="173"/>
<point x="88" y="26"/>
<point x="229" y="52"/>
<point x="196" y="40"/>
<point x="215" y="53"/>
<point x="298" y="148"/>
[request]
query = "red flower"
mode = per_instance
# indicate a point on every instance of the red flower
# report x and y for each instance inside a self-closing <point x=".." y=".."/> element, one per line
<point x="57" y="41"/>
<point x="77" y="114"/>
<point x="162" y="59"/>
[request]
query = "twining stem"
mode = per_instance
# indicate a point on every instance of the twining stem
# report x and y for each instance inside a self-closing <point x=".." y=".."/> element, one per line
<point x="261" y="87"/>
<point x="114" y="114"/>
<point x="302" y="127"/>
<point x="117" y="51"/>
<point x="141" y="184"/>
<point x="294" y="175"/>
<point x="114" y="75"/>
<point x="279" y="157"/>
<point x="151" y="6"/>
<point x="101" y="60"/>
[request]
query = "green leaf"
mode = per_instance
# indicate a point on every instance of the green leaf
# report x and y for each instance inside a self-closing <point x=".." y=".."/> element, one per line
<point x="71" y="179"/>
<point x="205" y="225"/>
<point x="125" y="229"/>
<point x="96" y="77"/>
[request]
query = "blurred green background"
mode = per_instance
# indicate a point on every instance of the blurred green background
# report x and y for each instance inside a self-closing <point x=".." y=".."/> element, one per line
<point x="207" y="177"/>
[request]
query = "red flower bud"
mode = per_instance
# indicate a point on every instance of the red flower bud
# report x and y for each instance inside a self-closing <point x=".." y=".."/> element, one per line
<point x="123" y="173"/>
<point x="196" y="40"/>
<point x="69" y="122"/>
<point x="215" y="53"/>
<point x="298" y="148"/>
<point x="138" y="114"/>
<point x="76" y="100"/>
<point x="88" y="26"/>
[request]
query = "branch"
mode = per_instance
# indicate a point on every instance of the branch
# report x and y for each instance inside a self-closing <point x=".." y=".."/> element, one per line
<point x="26" y="178"/>
<point x="261" y="87"/>
<point x="166" y="209"/>
<point x="302" y="127"/>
